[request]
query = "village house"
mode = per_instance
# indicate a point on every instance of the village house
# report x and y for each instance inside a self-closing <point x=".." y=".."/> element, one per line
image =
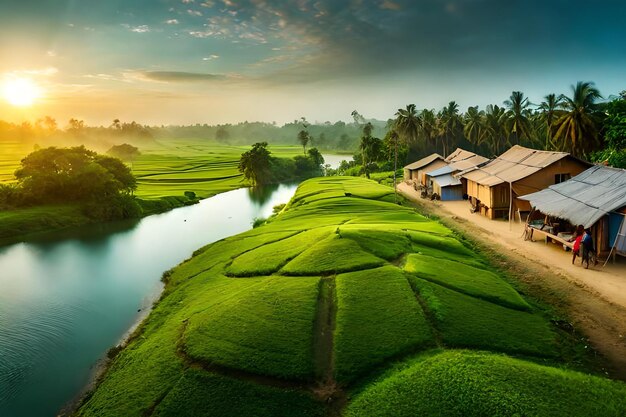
<point x="443" y="181"/>
<point x="493" y="188"/>
<point x="596" y="199"/>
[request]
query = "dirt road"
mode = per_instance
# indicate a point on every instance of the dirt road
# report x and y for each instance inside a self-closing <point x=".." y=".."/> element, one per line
<point x="594" y="299"/>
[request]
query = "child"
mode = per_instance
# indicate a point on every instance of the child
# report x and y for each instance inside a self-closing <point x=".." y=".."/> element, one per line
<point x="588" y="251"/>
<point x="577" y="239"/>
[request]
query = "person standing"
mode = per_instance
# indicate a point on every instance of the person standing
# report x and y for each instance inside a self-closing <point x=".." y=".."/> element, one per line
<point x="578" y="237"/>
<point x="588" y="249"/>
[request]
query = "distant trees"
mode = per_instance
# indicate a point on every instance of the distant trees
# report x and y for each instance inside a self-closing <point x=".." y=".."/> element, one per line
<point x="303" y="136"/>
<point x="260" y="168"/>
<point x="370" y="148"/>
<point x="125" y="152"/>
<point x="102" y="184"/>
<point x="222" y="135"/>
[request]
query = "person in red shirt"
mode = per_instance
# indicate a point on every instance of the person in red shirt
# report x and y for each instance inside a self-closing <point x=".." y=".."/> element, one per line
<point x="577" y="239"/>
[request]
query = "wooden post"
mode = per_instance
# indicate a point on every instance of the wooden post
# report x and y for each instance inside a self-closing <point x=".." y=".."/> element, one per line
<point x="510" y="204"/>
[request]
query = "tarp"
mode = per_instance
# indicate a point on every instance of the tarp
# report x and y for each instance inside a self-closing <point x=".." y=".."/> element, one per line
<point x="585" y="198"/>
<point x="513" y="165"/>
<point x="620" y="240"/>
<point x="446" y="180"/>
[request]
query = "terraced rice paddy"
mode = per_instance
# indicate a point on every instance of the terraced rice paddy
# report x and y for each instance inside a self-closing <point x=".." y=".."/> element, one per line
<point x="171" y="167"/>
<point x="346" y="304"/>
<point x="11" y="153"/>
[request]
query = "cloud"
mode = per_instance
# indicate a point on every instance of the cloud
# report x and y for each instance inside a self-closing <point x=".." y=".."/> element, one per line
<point x="210" y="57"/>
<point x="172" y="21"/>
<point x="390" y="5"/>
<point x="175" y="76"/>
<point x="137" y="29"/>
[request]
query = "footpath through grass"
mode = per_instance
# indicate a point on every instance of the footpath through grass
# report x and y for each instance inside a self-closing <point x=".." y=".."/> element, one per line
<point x="346" y="304"/>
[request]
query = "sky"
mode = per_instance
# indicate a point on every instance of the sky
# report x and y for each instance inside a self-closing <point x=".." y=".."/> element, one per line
<point x="225" y="61"/>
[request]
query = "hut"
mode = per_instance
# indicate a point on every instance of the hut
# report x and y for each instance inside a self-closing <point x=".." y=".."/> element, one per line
<point x="414" y="173"/>
<point x="443" y="182"/>
<point x="494" y="187"/>
<point x="596" y="198"/>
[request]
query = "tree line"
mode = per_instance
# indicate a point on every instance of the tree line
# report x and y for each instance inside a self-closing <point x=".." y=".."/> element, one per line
<point x="577" y="123"/>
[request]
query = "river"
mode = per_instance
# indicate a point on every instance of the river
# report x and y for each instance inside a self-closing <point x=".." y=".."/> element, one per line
<point x="66" y="299"/>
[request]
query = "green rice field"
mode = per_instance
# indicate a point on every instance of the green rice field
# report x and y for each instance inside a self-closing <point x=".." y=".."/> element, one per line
<point x="169" y="167"/>
<point x="346" y="303"/>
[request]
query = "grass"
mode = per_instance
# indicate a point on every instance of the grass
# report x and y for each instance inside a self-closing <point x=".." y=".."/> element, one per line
<point x="466" y="279"/>
<point x="266" y="329"/>
<point x="32" y="220"/>
<point x="477" y="384"/>
<point x="196" y="390"/>
<point x="331" y="255"/>
<point x="248" y="327"/>
<point x="378" y="318"/>
<point x="465" y="321"/>
<point x="271" y="257"/>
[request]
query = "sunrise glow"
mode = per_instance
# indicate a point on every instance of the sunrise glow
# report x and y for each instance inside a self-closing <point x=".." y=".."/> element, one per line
<point x="20" y="92"/>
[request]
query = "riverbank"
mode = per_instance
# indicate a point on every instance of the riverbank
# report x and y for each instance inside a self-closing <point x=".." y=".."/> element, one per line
<point x="593" y="300"/>
<point x="19" y="225"/>
<point x="271" y="322"/>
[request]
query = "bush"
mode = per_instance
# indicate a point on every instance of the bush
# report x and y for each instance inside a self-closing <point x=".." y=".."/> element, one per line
<point x="190" y="195"/>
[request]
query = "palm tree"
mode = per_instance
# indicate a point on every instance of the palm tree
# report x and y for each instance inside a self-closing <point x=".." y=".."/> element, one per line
<point x="577" y="130"/>
<point x="303" y="138"/>
<point x="519" y="123"/>
<point x="407" y="124"/>
<point x="367" y="147"/>
<point x="495" y="129"/>
<point x="428" y="123"/>
<point x="549" y="114"/>
<point x="473" y="125"/>
<point x="451" y="125"/>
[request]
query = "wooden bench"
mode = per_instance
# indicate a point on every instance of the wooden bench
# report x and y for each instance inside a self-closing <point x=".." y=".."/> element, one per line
<point x="549" y="237"/>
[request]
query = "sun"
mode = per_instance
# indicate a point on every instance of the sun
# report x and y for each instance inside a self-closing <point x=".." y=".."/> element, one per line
<point x="21" y="92"/>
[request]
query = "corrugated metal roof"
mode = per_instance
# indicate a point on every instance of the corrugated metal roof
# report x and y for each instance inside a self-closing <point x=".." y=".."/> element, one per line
<point x="440" y="171"/>
<point x="446" y="180"/>
<point x="424" y="161"/>
<point x="585" y="198"/>
<point x="459" y="160"/>
<point x="513" y="165"/>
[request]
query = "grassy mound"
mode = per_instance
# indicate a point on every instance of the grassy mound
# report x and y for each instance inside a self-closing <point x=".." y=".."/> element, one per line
<point x="466" y="279"/>
<point x="477" y="384"/>
<point x="270" y="258"/>
<point x="378" y="318"/>
<point x="332" y="255"/>
<point x="279" y="320"/>
<point x="266" y="329"/>
<point x="466" y="321"/>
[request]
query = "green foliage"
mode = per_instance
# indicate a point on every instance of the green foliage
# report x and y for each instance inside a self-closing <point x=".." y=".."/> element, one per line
<point x="255" y="164"/>
<point x="266" y="329"/>
<point x="72" y="174"/>
<point x="477" y="384"/>
<point x="125" y="152"/>
<point x="466" y="321"/>
<point x="378" y="318"/>
<point x="466" y="279"/>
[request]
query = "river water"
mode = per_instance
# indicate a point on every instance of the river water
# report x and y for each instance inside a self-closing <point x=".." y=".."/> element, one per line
<point x="66" y="299"/>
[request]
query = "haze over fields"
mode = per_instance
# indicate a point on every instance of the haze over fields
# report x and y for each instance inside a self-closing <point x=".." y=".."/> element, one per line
<point x="219" y="61"/>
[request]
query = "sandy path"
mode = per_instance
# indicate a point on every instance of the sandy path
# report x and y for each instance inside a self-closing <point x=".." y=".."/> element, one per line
<point x="594" y="298"/>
